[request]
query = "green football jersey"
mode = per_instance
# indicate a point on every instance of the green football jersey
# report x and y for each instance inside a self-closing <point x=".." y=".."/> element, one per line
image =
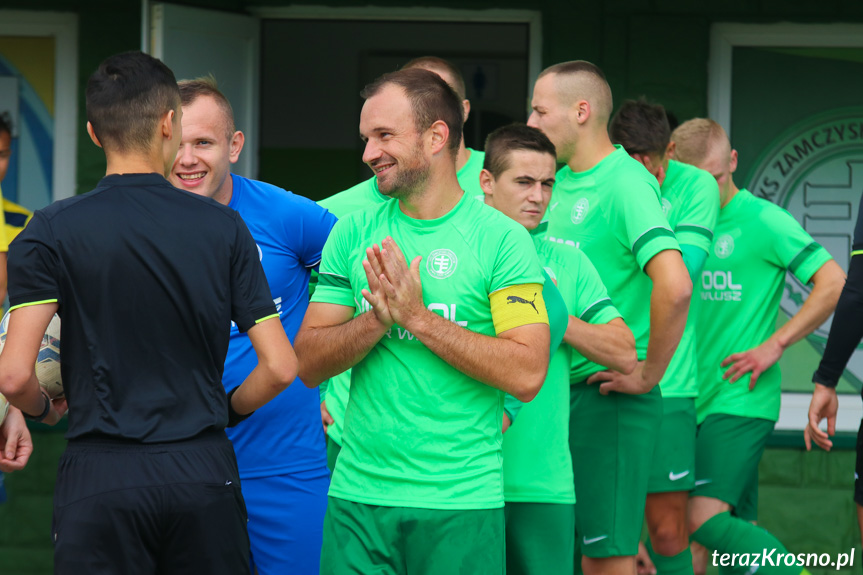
<point x="417" y="432"/>
<point x="537" y="465"/>
<point x="335" y="391"/>
<point x="742" y="284"/>
<point x="613" y="214"/>
<point x="690" y="200"/>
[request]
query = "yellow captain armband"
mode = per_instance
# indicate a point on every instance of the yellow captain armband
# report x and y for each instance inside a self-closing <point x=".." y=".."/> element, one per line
<point x="516" y="306"/>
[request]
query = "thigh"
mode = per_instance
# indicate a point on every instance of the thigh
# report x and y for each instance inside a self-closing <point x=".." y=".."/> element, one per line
<point x="673" y="465"/>
<point x="540" y="538"/>
<point x="447" y="542"/>
<point x="204" y="530"/>
<point x="612" y="439"/>
<point x="728" y="449"/>
<point x="107" y="533"/>
<point x="286" y="521"/>
<point x="361" y="539"/>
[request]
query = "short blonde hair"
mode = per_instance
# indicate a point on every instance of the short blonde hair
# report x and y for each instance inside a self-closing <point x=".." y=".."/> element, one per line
<point x="693" y="139"/>
<point x="191" y="90"/>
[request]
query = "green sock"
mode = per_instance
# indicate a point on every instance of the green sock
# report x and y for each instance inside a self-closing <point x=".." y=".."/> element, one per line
<point x="727" y="536"/>
<point x="680" y="564"/>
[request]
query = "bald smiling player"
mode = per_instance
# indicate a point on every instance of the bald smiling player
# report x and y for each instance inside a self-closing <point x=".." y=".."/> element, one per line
<point x="608" y="205"/>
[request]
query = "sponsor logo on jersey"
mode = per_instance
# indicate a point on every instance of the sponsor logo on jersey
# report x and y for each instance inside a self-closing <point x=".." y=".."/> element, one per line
<point x="593" y="539"/>
<point x="441" y="263"/>
<point x="579" y="211"/>
<point x="719" y="286"/>
<point x="666" y="207"/>
<point x="815" y="171"/>
<point x="723" y="246"/>
<point x="515" y="299"/>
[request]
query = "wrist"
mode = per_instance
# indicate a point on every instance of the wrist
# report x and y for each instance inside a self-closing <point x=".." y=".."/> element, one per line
<point x="418" y="321"/>
<point x="379" y="327"/>
<point x="46" y="409"/>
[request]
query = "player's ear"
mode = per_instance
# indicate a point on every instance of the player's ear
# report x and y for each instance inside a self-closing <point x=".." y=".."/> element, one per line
<point x="670" y="149"/>
<point x="439" y="133"/>
<point x="166" y="125"/>
<point x="732" y="165"/>
<point x="92" y="134"/>
<point x="236" y="146"/>
<point x="466" y="105"/>
<point x="486" y="182"/>
<point x="582" y="111"/>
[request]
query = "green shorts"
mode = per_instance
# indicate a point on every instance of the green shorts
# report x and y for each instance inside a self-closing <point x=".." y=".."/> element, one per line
<point x="377" y="540"/>
<point x="540" y="538"/>
<point x="674" y="458"/>
<point x="333" y="450"/>
<point x="727" y="451"/>
<point x="612" y="438"/>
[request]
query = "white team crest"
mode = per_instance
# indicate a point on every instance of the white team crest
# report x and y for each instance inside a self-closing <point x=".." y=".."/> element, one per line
<point x="666" y="207"/>
<point x="441" y="263"/>
<point x="724" y="246"/>
<point x="579" y="211"/>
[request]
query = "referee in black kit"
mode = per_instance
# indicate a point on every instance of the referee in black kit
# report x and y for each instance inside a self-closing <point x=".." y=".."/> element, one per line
<point x="146" y="279"/>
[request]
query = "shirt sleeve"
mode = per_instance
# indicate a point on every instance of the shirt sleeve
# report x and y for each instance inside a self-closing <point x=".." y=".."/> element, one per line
<point x="592" y="303"/>
<point x="315" y="227"/>
<point x="33" y="265"/>
<point x="701" y="212"/>
<point x="516" y="262"/>
<point x="793" y="248"/>
<point x="251" y="299"/>
<point x="334" y="278"/>
<point x="638" y="222"/>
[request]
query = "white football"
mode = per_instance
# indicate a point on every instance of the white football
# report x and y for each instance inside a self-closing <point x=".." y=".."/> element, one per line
<point x="4" y="408"/>
<point x="48" y="360"/>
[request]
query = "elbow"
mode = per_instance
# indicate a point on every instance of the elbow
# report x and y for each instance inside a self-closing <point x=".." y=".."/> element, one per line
<point x="530" y="382"/>
<point x="682" y="294"/>
<point x="628" y="363"/>
<point x="13" y="381"/>
<point x="284" y="371"/>
<point x="307" y="376"/>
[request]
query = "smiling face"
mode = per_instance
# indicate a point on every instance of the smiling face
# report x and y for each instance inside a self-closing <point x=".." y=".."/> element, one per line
<point x="394" y="150"/>
<point x="523" y="190"/>
<point x="553" y="116"/>
<point x="203" y="163"/>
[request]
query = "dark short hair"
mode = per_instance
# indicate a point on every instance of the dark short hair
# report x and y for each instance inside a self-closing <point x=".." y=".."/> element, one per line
<point x="126" y="98"/>
<point x="435" y="63"/>
<point x="431" y="100"/>
<point x="6" y="123"/>
<point x="506" y="139"/>
<point x="640" y="127"/>
<point x="191" y="90"/>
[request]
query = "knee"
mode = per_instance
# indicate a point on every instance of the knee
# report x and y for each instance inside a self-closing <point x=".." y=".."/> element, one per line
<point x="669" y="540"/>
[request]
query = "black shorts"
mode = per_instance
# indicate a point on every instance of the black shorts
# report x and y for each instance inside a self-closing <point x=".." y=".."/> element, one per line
<point x="858" y="471"/>
<point x="128" y="508"/>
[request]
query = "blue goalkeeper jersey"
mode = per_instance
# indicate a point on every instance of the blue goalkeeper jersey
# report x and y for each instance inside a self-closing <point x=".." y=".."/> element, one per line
<point x="284" y="436"/>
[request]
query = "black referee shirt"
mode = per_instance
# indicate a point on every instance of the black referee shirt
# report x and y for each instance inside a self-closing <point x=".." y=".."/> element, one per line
<point x="148" y="279"/>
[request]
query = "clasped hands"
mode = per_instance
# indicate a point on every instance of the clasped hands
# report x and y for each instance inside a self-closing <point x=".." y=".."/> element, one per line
<point x="395" y="289"/>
